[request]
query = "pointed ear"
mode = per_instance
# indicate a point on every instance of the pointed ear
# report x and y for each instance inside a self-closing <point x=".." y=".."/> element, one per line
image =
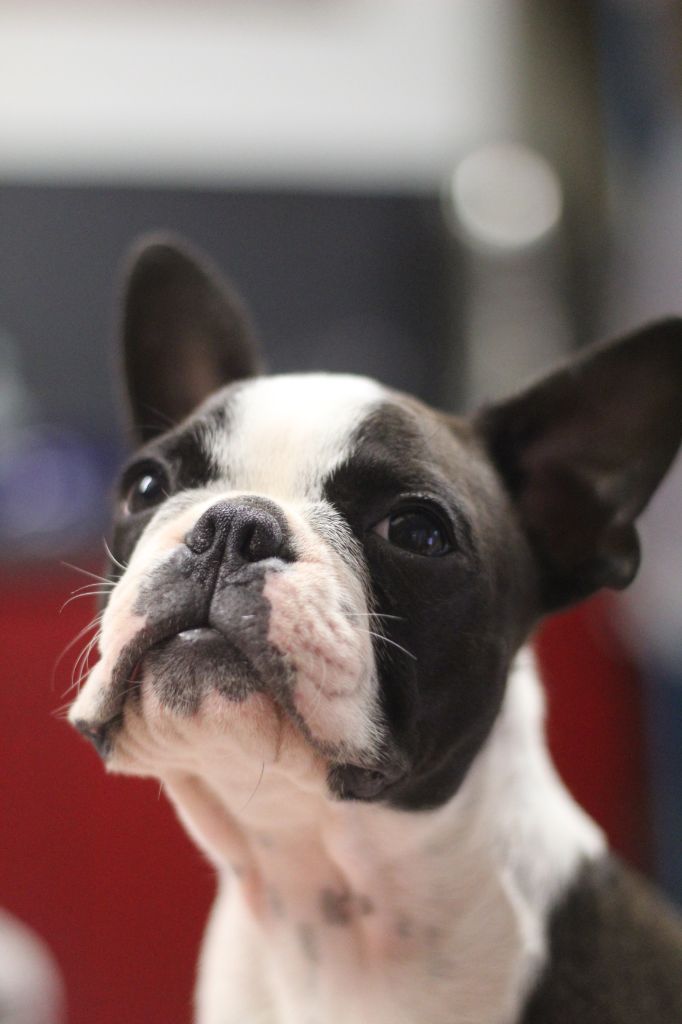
<point x="581" y="453"/>
<point x="185" y="334"/>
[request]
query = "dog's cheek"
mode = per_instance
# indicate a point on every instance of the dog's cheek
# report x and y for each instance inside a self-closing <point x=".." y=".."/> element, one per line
<point x="120" y="626"/>
<point x="121" y="621"/>
<point x="331" y="657"/>
<point x="90" y="704"/>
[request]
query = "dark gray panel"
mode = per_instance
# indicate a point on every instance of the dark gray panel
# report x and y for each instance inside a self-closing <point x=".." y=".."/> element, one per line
<point x="339" y="282"/>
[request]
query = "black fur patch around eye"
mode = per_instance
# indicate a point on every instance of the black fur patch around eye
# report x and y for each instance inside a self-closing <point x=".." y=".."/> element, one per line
<point x="191" y="456"/>
<point x="388" y="458"/>
<point x="444" y="634"/>
<point x="192" y="448"/>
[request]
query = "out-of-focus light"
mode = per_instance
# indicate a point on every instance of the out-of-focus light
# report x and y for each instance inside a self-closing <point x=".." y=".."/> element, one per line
<point x="505" y="197"/>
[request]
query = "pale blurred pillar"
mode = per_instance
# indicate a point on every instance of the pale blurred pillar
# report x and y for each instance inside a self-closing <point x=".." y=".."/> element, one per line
<point x="31" y="990"/>
<point x="505" y="207"/>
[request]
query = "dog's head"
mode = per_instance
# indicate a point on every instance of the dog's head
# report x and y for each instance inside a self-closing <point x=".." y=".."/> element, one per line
<point x="319" y="577"/>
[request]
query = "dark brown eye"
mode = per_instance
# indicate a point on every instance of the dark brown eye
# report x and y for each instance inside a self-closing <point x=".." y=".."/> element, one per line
<point x="146" y="488"/>
<point x="416" y="529"/>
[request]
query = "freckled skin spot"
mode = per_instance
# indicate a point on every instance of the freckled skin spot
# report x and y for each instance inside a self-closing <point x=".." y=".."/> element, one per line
<point x="365" y="905"/>
<point x="306" y="934"/>
<point x="404" y="927"/>
<point x="439" y="966"/>
<point x="275" y="903"/>
<point x="336" y="906"/>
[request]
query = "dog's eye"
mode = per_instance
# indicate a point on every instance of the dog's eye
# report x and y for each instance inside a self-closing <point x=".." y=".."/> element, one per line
<point x="417" y="529"/>
<point x="147" y="487"/>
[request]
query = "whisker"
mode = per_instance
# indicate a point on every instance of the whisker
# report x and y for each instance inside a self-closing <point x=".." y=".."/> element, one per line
<point x="387" y="640"/>
<point x="82" y="664"/>
<point x="76" y="684"/>
<point x="112" y="556"/>
<point x="79" y="636"/>
<point x="159" y="416"/>
<point x="376" y="615"/>
<point x="260" y="779"/>
<point x="85" y="586"/>
<point x="86" y="572"/>
<point x="320" y="692"/>
<point x="96" y="588"/>
<point x="94" y="592"/>
<point x="133" y="688"/>
<point x="62" y="711"/>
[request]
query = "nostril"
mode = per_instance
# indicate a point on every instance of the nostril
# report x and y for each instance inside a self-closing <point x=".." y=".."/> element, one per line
<point x="202" y="535"/>
<point x="262" y="538"/>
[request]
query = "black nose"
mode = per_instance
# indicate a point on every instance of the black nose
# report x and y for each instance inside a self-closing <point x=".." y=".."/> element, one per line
<point x="241" y="530"/>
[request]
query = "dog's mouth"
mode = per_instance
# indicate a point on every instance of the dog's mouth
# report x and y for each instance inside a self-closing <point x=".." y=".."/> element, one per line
<point x="184" y="667"/>
<point x="197" y="644"/>
<point x="181" y="664"/>
<point x="182" y="661"/>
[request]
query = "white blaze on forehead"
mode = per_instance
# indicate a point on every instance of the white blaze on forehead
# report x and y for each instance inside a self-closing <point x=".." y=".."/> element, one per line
<point x="287" y="433"/>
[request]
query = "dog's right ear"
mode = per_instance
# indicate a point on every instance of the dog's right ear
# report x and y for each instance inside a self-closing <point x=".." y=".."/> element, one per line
<point x="185" y="334"/>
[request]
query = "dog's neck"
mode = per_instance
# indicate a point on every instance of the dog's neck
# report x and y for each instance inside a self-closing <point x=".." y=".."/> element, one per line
<point x="460" y="893"/>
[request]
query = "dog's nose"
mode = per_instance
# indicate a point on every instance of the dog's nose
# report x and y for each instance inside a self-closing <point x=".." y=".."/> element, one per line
<point x="238" y="531"/>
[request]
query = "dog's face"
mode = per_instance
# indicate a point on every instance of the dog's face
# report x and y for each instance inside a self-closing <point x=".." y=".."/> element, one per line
<point x="328" y="580"/>
<point x="319" y="550"/>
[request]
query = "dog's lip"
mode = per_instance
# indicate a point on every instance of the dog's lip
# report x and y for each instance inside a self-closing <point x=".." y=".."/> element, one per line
<point x="130" y="659"/>
<point x="128" y="666"/>
<point x="197" y="633"/>
<point x="197" y="637"/>
<point x="127" y="672"/>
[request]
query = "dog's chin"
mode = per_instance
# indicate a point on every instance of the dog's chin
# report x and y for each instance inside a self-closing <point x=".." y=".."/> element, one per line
<point x="197" y="701"/>
<point x="185" y="668"/>
<point x="180" y="717"/>
<point x="196" y="704"/>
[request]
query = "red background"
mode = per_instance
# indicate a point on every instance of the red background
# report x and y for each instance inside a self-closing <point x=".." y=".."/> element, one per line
<point x="98" y="866"/>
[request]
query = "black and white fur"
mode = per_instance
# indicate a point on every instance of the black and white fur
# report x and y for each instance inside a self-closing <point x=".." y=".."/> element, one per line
<point x="347" y="719"/>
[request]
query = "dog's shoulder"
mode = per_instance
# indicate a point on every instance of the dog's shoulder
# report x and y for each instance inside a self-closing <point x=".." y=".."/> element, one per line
<point x="615" y="953"/>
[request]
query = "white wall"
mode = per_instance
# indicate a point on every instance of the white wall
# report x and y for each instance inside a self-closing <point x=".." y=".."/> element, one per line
<point x="378" y="93"/>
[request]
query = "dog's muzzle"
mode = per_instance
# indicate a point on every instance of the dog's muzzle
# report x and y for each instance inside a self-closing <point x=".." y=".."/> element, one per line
<point x="205" y="617"/>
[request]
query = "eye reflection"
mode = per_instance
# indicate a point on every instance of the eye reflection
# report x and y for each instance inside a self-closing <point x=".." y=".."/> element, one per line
<point x="417" y="529"/>
<point x="147" y="489"/>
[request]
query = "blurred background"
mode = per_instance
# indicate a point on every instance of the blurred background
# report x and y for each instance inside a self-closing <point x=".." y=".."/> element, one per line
<point x="447" y="195"/>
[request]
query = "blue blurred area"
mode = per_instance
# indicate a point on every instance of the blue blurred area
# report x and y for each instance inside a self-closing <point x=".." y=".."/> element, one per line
<point x="641" y="85"/>
<point x="54" y="487"/>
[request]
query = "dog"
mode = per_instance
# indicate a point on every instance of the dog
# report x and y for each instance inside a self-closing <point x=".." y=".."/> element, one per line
<point x="315" y="637"/>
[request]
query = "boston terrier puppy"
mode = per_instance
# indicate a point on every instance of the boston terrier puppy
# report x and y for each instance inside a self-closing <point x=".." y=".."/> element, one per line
<point x="315" y="639"/>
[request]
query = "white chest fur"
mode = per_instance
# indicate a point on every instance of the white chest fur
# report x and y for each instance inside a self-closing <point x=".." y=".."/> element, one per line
<point x="373" y="916"/>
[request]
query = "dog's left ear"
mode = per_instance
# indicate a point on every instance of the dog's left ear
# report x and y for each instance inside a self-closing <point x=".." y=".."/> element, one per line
<point x="582" y="451"/>
<point x="185" y="334"/>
